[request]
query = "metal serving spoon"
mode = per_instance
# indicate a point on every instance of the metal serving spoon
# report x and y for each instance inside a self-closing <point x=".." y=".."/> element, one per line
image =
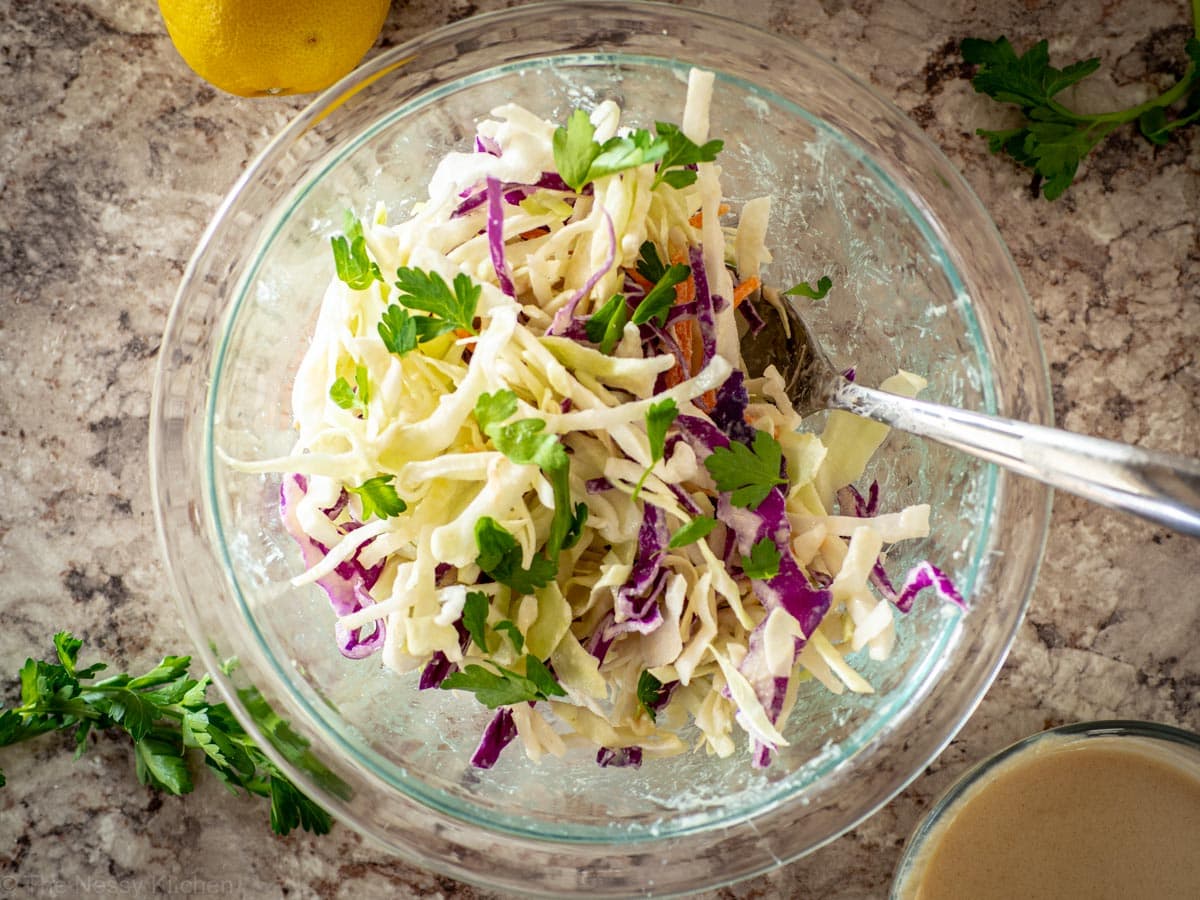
<point x="1161" y="487"/>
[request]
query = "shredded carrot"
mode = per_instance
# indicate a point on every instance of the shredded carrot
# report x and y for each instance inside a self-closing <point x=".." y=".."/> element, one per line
<point x="698" y="218"/>
<point x="535" y="232"/>
<point x="640" y="279"/>
<point x="463" y="333"/>
<point x="744" y="290"/>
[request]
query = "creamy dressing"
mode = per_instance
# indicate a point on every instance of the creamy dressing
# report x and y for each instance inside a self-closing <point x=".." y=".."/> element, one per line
<point x="1095" y="818"/>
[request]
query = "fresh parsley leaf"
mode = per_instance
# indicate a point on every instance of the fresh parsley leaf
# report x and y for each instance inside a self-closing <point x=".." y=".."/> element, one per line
<point x="353" y="264"/>
<point x="500" y="557"/>
<point x="626" y="152"/>
<point x="291" y="809"/>
<point x="649" y="265"/>
<point x="350" y="398"/>
<point x="660" y="298"/>
<point x="649" y="694"/>
<point x="492" y="409"/>
<point x="1053" y="138"/>
<point x="428" y="292"/>
<point x="379" y="498"/>
<point x="547" y="685"/>
<point x="804" y="289"/>
<point x="580" y="159"/>
<point x="160" y="764"/>
<point x="748" y="474"/>
<point x="606" y="325"/>
<point x="526" y="442"/>
<point x="574" y="149"/>
<point x="763" y="562"/>
<point x="474" y="618"/>
<point x="166" y="713"/>
<point x="575" y="523"/>
<point x="514" y="633"/>
<point x="401" y="331"/>
<point x="504" y="687"/>
<point x="695" y="530"/>
<point x="659" y="418"/>
<point x="681" y="152"/>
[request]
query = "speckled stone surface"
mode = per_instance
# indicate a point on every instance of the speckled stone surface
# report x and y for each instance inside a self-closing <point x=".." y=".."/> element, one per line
<point x="113" y="156"/>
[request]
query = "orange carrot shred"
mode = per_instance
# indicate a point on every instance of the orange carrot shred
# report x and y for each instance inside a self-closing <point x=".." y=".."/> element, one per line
<point x="640" y="279"/>
<point x="744" y="290"/>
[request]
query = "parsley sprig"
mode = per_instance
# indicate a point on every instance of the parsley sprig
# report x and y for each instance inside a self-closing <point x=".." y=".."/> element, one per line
<point x="659" y="418"/>
<point x="1053" y="138"/>
<point x="500" y="557"/>
<point x="166" y="713"/>
<point x="661" y="297"/>
<point x="581" y="159"/>
<point x="606" y="325"/>
<point x="475" y="620"/>
<point x="504" y="687"/>
<point x="763" y="561"/>
<point x="379" y="498"/>
<point x="526" y="442"/>
<point x="354" y="398"/>
<point x="748" y="473"/>
<point x="804" y="289"/>
<point x="697" y="529"/>
<point x="429" y="293"/>
<point x="351" y="261"/>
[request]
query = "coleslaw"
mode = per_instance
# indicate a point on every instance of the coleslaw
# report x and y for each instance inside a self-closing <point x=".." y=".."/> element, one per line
<point x="530" y="465"/>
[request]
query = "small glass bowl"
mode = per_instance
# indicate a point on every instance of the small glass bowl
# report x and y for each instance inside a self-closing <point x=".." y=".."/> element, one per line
<point x="1163" y="743"/>
<point x="923" y="282"/>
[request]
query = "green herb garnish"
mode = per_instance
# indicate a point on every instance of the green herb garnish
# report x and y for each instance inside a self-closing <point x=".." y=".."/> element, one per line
<point x="166" y="713"/>
<point x="379" y="498"/>
<point x="763" y="561"/>
<point x="649" y="694"/>
<point x="428" y="292"/>
<point x="804" y="289"/>
<point x="580" y="159"/>
<point x="1053" y="138"/>
<point x="475" y="616"/>
<point x="353" y="264"/>
<point x="606" y="325"/>
<point x="695" y="530"/>
<point x="500" y="557"/>
<point x="659" y="418"/>
<point x="504" y="687"/>
<point x="748" y="474"/>
<point x="526" y="442"/>
<point x="350" y="398"/>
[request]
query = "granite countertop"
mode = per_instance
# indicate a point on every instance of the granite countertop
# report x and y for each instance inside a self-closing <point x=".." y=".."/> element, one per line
<point x="115" y="156"/>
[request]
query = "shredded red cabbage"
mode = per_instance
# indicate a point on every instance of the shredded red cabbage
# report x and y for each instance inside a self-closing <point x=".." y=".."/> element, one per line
<point x="622" y="756"/>
<point x="636" y="602"/>
<point x="729" y="413"/>
<point x="347" y="587"/>
<point x="925" y="575"/>
<point x="495" y="236"/>
<point x="498" y="734"/>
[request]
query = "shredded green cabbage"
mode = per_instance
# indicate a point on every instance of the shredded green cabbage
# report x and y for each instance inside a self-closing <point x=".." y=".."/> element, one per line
<point x="729" y="653"/>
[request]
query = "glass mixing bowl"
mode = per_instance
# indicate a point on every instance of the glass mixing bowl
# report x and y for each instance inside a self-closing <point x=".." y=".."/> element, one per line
<point x="922" y="281"/>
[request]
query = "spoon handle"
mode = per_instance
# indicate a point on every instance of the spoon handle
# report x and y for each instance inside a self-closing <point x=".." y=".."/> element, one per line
<point x="1161" y="487"/>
